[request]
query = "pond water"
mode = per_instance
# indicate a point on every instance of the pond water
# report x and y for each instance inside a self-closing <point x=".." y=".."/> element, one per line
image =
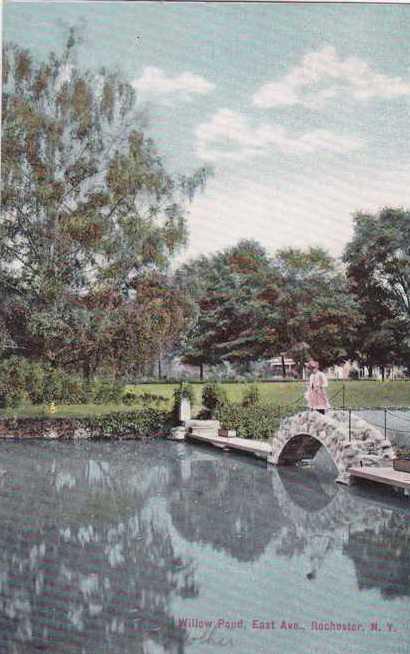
<point x="129" y="547"/>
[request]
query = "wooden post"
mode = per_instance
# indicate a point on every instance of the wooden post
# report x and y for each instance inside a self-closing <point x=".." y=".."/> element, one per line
<point x="343" y="396"/>
<point x="385" y="424"/>
<point x="350" y="425"/>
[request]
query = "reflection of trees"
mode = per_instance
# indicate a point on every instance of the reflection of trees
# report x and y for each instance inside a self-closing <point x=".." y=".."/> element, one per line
<point x="84" y="565"/>
<point x="377" y="539"/>
<point x="226" y="503"/>
<point x="239" y="508"/>
<point x="382" y="557"/>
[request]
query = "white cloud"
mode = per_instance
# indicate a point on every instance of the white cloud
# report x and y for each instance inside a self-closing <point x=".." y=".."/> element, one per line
<point x="155" y="83"/>
<point x="292" y="210"/>
<point x="228" y="135"/>
<point x="323" y="75"/>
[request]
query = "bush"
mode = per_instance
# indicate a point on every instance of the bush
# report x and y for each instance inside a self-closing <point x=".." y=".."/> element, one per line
<point x="13" y="372"/>
<point x="105" y="391"/>
<point x="135" y="424"/>
<point x="354" y="373"/>
<point x="132" y="397"/>
<point x="213" y="397"/>
<point x="256" y="421"/>
<point x="53" y="386"/>
<point x="34" y="382"/>
<point x="250" y="395"/>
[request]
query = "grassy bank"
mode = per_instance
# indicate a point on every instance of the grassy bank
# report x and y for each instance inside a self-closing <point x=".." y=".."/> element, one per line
<point x="363" y="394"/>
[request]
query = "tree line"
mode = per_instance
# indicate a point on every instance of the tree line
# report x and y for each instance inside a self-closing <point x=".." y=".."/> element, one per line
<point x="91" y="221"/>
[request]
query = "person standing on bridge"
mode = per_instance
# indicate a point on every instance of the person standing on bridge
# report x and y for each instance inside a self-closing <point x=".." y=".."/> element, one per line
<point x="316" y="394"/>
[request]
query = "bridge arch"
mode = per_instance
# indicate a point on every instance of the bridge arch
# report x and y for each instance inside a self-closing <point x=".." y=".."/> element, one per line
<point x="302" y="435"/>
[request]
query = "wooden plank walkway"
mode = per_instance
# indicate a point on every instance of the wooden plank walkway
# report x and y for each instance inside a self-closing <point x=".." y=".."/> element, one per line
<point x="261" y="449"/>
<point x="383" y="476"/>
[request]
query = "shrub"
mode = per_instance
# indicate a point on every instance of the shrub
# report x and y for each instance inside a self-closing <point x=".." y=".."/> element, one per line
<point x="135" y="424"/>
<point x="250" y="395"/>
<point x="213" y="397"/>
<point x="132" y="397"/>
<point x="104" y="391"/>
<point x="74" y="391"/>
<point x="34" y="382"/>
<point x="53" y="386"/>
<point x="256" y="421"/>
<point x="13" y="373"/>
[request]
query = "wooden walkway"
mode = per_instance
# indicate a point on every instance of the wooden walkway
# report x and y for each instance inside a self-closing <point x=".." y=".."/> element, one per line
<point x="261" y="449"/>
<point x="383" y="476"/>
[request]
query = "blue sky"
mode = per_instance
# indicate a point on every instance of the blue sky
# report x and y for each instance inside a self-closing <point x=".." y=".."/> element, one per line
<point x="302" y="110"/>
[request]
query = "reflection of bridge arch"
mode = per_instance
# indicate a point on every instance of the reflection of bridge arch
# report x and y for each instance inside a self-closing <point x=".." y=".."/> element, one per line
<point x="307" y="491"/>
<point x="301" y="436"/>
<point x="322" y="520"/>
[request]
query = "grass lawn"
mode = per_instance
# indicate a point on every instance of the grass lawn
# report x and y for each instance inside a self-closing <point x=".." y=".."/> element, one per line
<point x="358" y="394"/>
<point x="63" y="411"/>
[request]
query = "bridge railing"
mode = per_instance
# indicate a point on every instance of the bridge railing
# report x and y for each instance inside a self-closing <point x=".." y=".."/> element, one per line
<point x="392" y="421"/>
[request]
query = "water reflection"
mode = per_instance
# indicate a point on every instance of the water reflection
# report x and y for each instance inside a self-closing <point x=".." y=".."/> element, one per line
<point x="225" y="503"/>
<point x="382" y="557"/>
<point x="84" y="566"/>
<point x="94" y="546"/>
<point x="242" y="508"/>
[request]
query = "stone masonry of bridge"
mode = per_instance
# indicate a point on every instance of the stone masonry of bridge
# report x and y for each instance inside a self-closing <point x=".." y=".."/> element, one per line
<point x="302" y="435"/>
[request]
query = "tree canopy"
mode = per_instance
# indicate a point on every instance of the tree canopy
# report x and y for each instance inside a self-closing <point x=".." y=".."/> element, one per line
<point x="235" y="292"/>
<point x="88" y="208"/>
<point x="378" y="269"/>
<point x="252" y="306"/>
<point x="317" y="314"/>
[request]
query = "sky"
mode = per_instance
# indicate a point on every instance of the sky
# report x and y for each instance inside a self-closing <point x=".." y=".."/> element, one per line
<point x="302" y="110"/>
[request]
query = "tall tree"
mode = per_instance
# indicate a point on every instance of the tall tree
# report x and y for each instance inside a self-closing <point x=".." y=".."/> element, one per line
<point x="87" y="205"/>
<point x="378" y="269"/>
<point x="317" y="314"/>
<point x="235" y="293"/>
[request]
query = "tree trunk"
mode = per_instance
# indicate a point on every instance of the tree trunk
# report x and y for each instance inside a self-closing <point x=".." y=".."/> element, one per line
<point x="201" y="372"/>
<point x="87" y="370"/>
<point x="383" y="371"/>
<point x="370" y="368"/>
<point x="283" y="365"/>
<point x="159" y="368"/>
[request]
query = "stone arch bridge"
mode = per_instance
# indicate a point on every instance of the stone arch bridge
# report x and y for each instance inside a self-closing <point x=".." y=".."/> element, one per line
<point x="302" y="435"/>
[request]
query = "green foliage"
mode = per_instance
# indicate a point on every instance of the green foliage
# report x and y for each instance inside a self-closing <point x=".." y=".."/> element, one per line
<point x="250" y="306"/>
<point x="13" y="372"/>
<point x="90" y="218"/>
<point x="235" y="293"/>
<point x="255" y="421"/>
<point x="104" y="391"/>
<point x="213" y="397"/>
<point x="133" y="397"/>
<point x="317" y="313"/>
<point x="134" y="424"/>
<point x="250" y="395"/>
<point x="378" y="270"/>
<point x="23" y="380"/>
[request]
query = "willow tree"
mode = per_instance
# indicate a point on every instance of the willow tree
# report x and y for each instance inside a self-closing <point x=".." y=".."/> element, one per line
<point x="87" y="204"/>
